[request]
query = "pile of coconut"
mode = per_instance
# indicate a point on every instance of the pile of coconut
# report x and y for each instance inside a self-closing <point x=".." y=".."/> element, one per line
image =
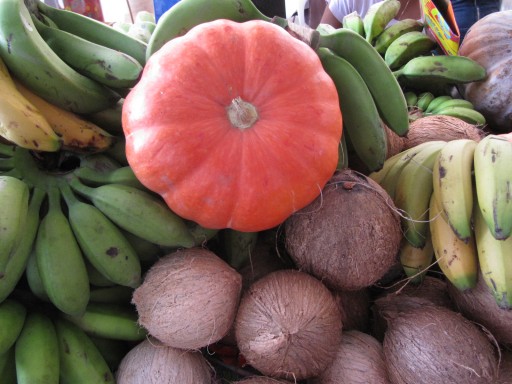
<point x="322" y="300"/>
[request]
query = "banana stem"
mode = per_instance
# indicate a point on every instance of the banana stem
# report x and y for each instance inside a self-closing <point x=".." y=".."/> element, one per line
<point x="54" y="199"/>
<point x="82" y="189"/>
<point x="68" y="195"/>
<point x="398" y="73"/>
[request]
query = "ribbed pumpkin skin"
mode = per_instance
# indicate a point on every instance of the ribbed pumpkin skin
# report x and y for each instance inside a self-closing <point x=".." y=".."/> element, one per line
<point x="182" y="145"/>
<point x="489" y="42"/>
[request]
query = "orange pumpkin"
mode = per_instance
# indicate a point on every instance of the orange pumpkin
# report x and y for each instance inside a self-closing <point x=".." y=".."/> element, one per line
<point x="235" y="125"/>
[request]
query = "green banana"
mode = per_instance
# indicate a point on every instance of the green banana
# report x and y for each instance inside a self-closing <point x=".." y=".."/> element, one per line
<point x="12" y="319"/>
<point x="33" y="278"/>
<point x="110" y="320"/>
<point x="80" y="360"/>
<point x="406" y="47"/>
<point x="469" y="115"/>
<point x="19" y="256"/>
<point x="414" y="188"/>
<point x="117" y="294"/>
<point x="14" y="201"/>
<point x="105" y="65"/>
<point x="453" y="185"/>
<point x="437" y="101"/>
<point x="493" y="177"/>
<point x="361" y="120"/>
<point x="186" y="14"/>
<point x="379" y="175"/>
<point x="34" y="63"/>
<point x="384" y="88"/>
<point x="139" y="212"/>
<point x="424" y="100"/>
<point x="441" y="69"/>
<point x="449" y="103"/>
<point x="60" y="261"/>
<point x="494" y="261"/>
<point x="102" y="242"/>
<point x="147" y="251"/>
<point x="123" y="175"/>
<point x="354" y="21"/>
<point x="411" y="98"/>
<point x="37" y="351"/>
<point x="113" y="351"/>
<point x="109" y="119"/>
<point x="96" y="278"/>
<point x="95" y="31"/>
<point x="416" y="261"/>
<point x="8" y="367"/>
<point x="141" y="30"/>
<point x="378" y="16"/>
<point x="394" y="31"/>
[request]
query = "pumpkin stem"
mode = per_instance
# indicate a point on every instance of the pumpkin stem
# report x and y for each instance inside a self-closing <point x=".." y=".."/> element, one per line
<point x="242" y="114"/>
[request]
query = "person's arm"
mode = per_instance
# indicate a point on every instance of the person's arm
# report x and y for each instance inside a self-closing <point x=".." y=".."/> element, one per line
<point x="329" y="18"/>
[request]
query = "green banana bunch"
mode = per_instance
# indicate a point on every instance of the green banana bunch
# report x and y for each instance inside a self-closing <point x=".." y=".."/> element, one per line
<point x="34" y="281"/>
<point x="102" y="242"/>
<point x="186" y="14"/>
<point x="453" y="185"/>
<point x="105" y="65"/>
<point x="424" y="100"/>
<point x="80" y="360"/>
<point x="393" y="32"/>
<point x="40" y="69"/>
<point x="8" y="367"/>
<point x="406" y="47"/>
<point x="378" y="16"/>
<point x="354" y="21"/>
<point x="411" y="98"/>
<point x="60" y="261"/>
<point x="414" y="188"/>
<point x="139" y="212"/>
<point x="384" y="88"/>
<point x="95" y="31"/>
<point x="14" y="202"/>
<point x="450" y="103"/>
<point x="442" y="69"/>
<point x="123" y="175"/>
<point x="113" y="351"/>
<point x="111" y="321"/>
<point x="469" y="115"/>
<point x="492" y="168"/>
<point x="117" y="294"/>
<point x="109" y="119"/>
<point x="361" y="120"/>
<point x="458" y="260"/>
<point x="37" y="351"/>
<point x="19" y="255"/>
<point x="12" y="319"/>
<point x="494" y="260"/>
<point x="436" y="102"/>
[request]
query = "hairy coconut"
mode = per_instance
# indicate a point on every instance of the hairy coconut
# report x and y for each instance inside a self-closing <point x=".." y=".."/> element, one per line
<point x="440" y="127"/>
<point x="354" y="308"/>
<point x="188" y="298"/>
<point x="151" y="362"/>
<point x="349" y="236"/>
<point x="505" y="371"/>
<point x="288" y="325"/>
<point x="260" y="380"/>
<point x="425" y="343"/>
<point x="395" y="143"/>
<point x="478" y="304"/>
<point x="359" y="360"/>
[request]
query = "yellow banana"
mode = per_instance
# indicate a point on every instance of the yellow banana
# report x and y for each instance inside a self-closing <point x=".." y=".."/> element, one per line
<point x="416" y="261"/>
<point x="20" y="121"/>
<point x="76" y="133"/>
<point x="453" y="184"/>
<point x="458" y="260"/>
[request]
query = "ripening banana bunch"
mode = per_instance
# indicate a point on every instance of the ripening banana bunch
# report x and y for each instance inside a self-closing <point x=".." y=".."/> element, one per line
<point x="141" y="28"/>
<point x="86" y="223"/>
<point x="41" y="346"/>
<point x="426" y="103"/>
<point x="455" y="205"/>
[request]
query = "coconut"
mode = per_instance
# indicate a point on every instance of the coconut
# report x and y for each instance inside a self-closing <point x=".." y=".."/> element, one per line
<point x="188" y="298"/>
<point x="260" y="380"/>
<point x="425" y="343"/>
<point x="349" y="236"/>
<point x="359" y="360"/>
<point x="440" y="127"/>
<point x="478" y="304"/>
<point x="395" y="143"/>
<point x="505" y="371"/>
<point x="151" y="362"/>
<point x="354" y="308"/>
<point x="288" y="325"/>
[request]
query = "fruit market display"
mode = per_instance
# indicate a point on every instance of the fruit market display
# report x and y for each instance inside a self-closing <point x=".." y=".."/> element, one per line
<point x="227" y="197"/>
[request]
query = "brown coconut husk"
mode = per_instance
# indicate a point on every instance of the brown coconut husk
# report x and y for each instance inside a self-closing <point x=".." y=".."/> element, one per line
<point x="288" y="325"/>
<point x="151" y="362"/>
<point x="189" y="298"/>
<point x="349" y="236"/>
<point x="440" y="127"/>
<point x="359" y="360"/>
<point x="395" y="143"/>
<point x="426" y="343"/>
<point x="505" y="370"/>
<point x="354" y="308"/>
<point x="478" y="304"/>
<point x="260" y="380"/>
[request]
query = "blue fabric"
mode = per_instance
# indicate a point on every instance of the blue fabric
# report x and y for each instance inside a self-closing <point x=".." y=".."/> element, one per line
<point x="467" y="12"/>
<point x="161" y="6"/>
